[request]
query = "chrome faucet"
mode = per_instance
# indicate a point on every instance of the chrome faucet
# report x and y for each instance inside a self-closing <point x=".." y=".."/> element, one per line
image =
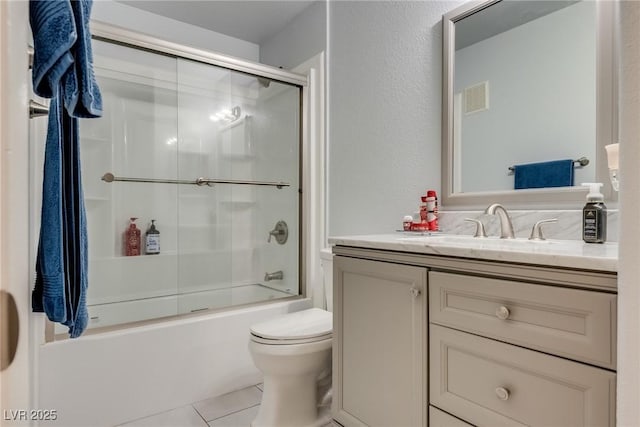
<point x="277" y="275"/>
<point x="506" y="227"/>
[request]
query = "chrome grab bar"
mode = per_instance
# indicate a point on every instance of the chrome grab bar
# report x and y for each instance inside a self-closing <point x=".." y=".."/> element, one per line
<point x="109" y="177"/>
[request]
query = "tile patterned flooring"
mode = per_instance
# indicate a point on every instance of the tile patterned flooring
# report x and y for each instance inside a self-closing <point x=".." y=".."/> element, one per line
<point x="235" y="409"/>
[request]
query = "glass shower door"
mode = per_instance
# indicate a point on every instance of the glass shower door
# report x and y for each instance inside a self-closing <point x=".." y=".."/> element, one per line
<point x="168" y="121"/>
<point x="133" y="138"/>
<point x="236" y="126"/>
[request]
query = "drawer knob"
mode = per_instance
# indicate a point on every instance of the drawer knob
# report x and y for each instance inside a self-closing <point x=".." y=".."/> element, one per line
<point x="502" y="312"/>
<point x="415" y="292"/>
<point x="502" y="393"/>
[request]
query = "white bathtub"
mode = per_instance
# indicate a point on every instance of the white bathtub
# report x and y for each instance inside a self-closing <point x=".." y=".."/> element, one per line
<point x="113" y="377"/>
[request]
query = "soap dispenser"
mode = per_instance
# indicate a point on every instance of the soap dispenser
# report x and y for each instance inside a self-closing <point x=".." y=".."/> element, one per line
<point x="152" y="240"/>
<point x="594" y="215"/>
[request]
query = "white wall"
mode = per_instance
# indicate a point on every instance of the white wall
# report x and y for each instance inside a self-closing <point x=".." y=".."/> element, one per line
<point x="302" y="38"/>
<point x="542" y="97"/>
<point x="119" y="14"/>
<point x="628" y="393"/>
<point x="384" y="111"/>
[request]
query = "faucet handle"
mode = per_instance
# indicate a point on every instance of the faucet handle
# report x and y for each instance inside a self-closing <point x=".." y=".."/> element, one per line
<point x="536" y="231"/>
<point x="280" y="232"/>
<point x="480" y="232"/>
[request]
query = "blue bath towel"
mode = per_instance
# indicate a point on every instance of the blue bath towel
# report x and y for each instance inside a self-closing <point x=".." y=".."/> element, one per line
<point x="63" y="71"/>
<point x="556" y="173"/>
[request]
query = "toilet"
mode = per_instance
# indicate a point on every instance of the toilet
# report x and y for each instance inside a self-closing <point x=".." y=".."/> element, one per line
<point x="293" y="352"/>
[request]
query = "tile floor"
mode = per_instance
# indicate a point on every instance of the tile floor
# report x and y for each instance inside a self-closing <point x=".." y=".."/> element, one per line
<point x="235" y="409"/>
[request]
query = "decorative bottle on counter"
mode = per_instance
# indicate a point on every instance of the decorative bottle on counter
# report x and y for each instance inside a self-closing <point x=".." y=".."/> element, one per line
<point x="432" y="210"/>
<point x="132" y="239"/>
<point x="152" y="239"/>
<point x="594" y="215"/>
<point x="423" y="209"/>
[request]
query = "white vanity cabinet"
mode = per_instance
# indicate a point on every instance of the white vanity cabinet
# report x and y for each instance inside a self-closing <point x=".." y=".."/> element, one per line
<point x="379" y="343"/>
<point x="509" y="344"/>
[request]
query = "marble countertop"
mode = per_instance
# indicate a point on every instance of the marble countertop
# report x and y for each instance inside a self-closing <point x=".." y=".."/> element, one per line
<point x="555" y="253"/>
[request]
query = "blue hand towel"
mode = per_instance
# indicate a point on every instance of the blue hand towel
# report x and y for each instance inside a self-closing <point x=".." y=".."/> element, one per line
<point x="62" y="70"/>
<point x="556" y="173"/>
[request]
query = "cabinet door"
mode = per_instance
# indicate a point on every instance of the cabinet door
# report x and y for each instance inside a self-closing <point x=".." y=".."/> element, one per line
<point x="379" y="347"/>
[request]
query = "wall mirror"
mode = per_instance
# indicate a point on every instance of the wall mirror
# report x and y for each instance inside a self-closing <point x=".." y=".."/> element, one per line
<point x="526" y="82"/>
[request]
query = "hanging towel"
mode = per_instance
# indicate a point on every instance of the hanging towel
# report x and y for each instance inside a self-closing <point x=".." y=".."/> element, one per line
<point x="62" y="70"/>
<point x="556" y="173"/>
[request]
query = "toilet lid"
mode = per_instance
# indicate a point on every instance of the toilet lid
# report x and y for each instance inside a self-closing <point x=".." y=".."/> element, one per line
<point x="312" y="323"/>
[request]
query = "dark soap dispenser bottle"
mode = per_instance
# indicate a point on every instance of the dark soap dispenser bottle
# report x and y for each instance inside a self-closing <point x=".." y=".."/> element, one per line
<point x="152" y="238"/>
<point x="594" y="215"/>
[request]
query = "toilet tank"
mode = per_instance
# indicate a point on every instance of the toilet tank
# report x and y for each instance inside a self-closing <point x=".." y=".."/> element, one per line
<point x="326" y="260"/>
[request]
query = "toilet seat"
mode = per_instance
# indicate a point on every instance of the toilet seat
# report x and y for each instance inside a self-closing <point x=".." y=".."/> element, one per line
<point x="301" y="327"/>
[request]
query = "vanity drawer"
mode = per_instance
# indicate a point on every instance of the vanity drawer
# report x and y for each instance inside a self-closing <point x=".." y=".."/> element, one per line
<point x="572" y="323"/>
<point x="438" y="418"/>
<point x="498" y="384"/>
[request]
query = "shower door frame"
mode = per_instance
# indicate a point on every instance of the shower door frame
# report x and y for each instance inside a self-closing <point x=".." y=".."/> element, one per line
<point x="120" y="36"/>
<point x="113" y="34"/>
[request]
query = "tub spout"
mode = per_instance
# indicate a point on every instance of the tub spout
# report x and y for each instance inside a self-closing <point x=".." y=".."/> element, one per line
<point x="277" y="275"/>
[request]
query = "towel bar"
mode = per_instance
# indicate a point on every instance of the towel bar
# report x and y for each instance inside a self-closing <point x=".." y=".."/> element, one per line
<point x="582" y="161"/>
<point x="37" y="109"/>
<point x="109" y="177"/>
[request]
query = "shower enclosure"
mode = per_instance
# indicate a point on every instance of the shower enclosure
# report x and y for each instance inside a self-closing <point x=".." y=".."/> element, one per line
<point x="209" y="149"/>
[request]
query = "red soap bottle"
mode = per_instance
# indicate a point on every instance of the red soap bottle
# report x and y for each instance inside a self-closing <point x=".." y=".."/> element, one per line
<point x="132" y="239"/>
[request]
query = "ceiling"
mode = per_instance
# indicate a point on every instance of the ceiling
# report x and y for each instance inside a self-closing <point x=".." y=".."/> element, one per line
<point x="253" y="21"/>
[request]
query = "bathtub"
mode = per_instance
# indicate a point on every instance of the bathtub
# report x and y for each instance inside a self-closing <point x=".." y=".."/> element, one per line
<point x="109" y="378"/>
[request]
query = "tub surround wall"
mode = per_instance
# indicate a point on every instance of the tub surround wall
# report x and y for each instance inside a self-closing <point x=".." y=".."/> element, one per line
<point x="568" y="227"/>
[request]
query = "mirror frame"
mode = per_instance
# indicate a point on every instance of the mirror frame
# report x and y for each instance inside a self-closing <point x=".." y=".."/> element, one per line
<point x="606" y="122"/>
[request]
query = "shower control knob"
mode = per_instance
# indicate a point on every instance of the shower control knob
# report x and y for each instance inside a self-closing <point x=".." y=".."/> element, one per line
<point x="280" y="232"/>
